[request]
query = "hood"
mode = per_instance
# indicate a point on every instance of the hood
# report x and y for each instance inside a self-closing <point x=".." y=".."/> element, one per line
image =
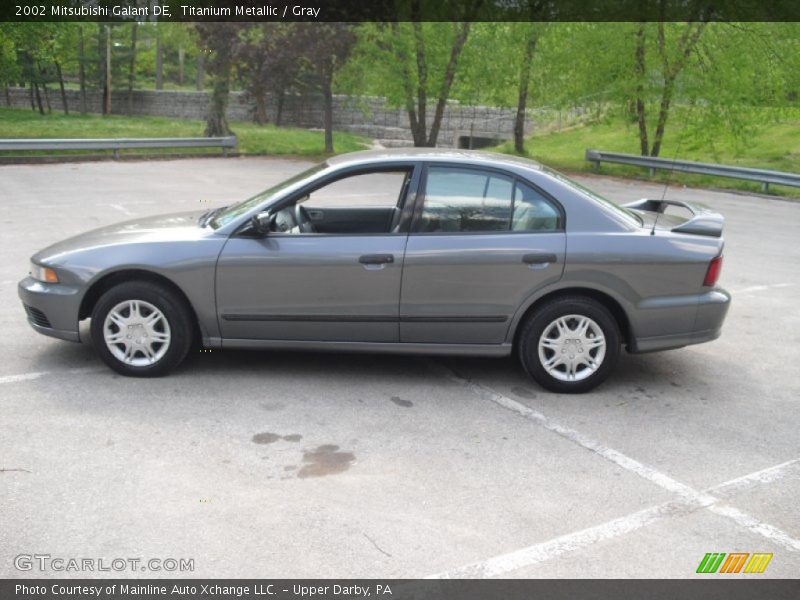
<point x="181" y="226"/>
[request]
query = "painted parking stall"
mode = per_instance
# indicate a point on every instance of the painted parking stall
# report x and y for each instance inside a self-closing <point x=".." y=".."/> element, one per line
<point x="411" y="467"/>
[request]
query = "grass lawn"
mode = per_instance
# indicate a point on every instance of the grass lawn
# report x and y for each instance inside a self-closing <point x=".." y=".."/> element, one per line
<point x="253" y="139"/>
<point x="773" y="144"/>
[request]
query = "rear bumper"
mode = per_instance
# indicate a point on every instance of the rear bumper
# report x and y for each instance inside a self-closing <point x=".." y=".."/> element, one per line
<point x="52" y="309"/>
<point x="711" y="309"/>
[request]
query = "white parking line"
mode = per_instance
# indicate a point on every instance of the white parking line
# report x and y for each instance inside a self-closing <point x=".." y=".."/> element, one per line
<point x="691" y="499"/>
<point x="22" y="377"/>
<point x="122" y="209"/>
<point x="767" y="475"/>
<point x="38" y="374"/>
<point x="761" y="288"/>
<point x="660" y="479"/>
<point x="538" y="553"/>
<point x="760" y="527"/>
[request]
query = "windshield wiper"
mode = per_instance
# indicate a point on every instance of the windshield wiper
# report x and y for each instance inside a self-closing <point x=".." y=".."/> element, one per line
<point x="206" y="217"/>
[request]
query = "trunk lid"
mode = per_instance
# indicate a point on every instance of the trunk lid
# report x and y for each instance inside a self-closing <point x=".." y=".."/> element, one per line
<point x="701" y="220"/>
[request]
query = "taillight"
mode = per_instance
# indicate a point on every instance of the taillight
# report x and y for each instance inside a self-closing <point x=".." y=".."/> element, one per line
<point x="714" y="269"/>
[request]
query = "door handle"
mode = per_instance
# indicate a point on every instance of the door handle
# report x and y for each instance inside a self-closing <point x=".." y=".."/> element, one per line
<point x="539" y="260"/>
<point x="376" y="259"/>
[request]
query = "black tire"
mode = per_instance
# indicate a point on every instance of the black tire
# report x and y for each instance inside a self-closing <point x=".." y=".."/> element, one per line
<point x="175" y="312"/>
<point x="542" y="319"/>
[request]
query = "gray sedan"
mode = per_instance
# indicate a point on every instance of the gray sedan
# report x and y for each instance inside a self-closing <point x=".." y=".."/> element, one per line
<point x="413" y="251"/>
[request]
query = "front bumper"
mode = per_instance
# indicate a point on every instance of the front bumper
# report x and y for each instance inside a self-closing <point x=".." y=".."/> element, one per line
<point x="711" y="309"/>
<point x="52" y="308"/>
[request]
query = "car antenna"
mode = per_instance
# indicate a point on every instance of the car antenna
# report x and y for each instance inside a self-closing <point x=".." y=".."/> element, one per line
<point x="666" y="183"/>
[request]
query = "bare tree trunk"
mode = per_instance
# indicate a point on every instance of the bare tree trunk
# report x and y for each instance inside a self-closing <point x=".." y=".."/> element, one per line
<point x="107" y="106"/>
<point x="663" y="113"/>
<point x="8" y="95"/>
<point x="217" y="123"/>
<point x="30" y="93"/>
<point x="422" y="88"/>
<point x="159" y="60"/>
<point x="47" y="98"/>
<point x="688" y="41"/>
<point x="644" y="143"/>
<point x="181" y="61"/>
<point x="449" y="76"/>
<point x="82" y="69"/>
<point x="279" y="110"/>
<point x="201" y="70"/>
<point x="64" y="104"/>
<point x="38" y="97"/>
<point x="260" y="112"/>
<point x="132" y="66"/>
<point x="328" y="119"/>
<point x="43" y="77"/>
<point x="522" y="99"/>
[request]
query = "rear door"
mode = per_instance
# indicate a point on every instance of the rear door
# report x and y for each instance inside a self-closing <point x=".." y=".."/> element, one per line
<point x="482" y="241"/>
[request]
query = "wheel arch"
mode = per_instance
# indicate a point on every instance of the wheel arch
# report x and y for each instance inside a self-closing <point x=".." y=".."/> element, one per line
<point x="607" y="300"/>
<point x="109" y="280"/>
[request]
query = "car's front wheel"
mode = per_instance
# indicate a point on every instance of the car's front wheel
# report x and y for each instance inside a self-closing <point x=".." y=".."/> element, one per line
<point x="570" y="344"/>
<point x="141" y="329"/>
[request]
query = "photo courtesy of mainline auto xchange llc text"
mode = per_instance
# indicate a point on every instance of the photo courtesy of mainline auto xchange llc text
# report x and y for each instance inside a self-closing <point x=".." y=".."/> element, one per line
<point x="410" y="300"/>
<point x="203" y="589"/>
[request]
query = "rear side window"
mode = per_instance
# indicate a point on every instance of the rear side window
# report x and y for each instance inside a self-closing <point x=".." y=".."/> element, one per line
<point x="532" y="211"/>
<point x="472" y="200"/>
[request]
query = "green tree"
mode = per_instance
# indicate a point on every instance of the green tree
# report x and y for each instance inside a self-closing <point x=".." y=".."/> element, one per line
<point x="221" y="42"/>
<point x="411" y="64"/>
<point x="269" y="59"/>
<point x="326" y="47"/>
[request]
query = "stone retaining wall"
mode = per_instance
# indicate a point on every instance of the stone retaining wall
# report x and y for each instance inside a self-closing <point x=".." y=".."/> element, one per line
<point x="367" y="116"/>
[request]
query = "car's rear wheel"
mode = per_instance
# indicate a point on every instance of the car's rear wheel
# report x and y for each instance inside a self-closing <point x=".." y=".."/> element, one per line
<point x="141" y="329"/>
<point x="570" y="344"/>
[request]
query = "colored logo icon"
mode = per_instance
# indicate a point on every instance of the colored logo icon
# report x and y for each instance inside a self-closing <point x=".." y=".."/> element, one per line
<point x="735" y="562"/>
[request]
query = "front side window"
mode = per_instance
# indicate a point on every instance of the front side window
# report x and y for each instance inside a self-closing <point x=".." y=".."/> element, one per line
<point x="471" y="200"/>
<point x="362" y="203"/>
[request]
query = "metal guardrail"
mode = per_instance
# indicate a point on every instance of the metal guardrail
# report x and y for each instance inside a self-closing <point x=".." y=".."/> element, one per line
<point x="117" y="144"/>
<point x="763" y="176"/>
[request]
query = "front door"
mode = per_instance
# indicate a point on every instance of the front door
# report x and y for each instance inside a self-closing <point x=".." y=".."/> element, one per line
<point x="329" y="270"/>
<point x="482" y="242"/>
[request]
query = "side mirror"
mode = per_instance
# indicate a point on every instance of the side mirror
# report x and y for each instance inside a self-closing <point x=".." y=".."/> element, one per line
<point x="262" y="223"/>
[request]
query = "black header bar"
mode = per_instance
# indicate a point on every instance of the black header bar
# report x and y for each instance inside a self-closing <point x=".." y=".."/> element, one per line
<point x="399" y="10"/>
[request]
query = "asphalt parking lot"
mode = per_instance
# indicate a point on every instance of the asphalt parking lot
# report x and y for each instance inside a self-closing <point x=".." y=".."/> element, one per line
<point x="269" y="464"/>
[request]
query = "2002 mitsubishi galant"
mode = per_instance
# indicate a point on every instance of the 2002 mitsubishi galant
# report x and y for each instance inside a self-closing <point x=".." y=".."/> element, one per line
<point x="417" y="251"/>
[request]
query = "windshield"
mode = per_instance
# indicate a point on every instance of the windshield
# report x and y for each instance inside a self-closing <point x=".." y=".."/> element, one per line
<point x="228" y="214"/>
<point x="616" y="208"/>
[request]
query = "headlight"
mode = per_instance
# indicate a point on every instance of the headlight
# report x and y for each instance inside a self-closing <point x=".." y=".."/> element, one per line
<point x="44" y="274"/>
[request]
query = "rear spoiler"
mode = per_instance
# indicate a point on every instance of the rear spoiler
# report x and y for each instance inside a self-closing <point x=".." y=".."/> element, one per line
<point x="703" y="221"/>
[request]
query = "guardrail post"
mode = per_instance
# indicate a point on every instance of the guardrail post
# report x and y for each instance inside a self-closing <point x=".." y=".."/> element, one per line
<point x="593" y="157"/>
<point x="652" y="171"/>
<point x="116" y="153"/>
<point x="765" y="187"/>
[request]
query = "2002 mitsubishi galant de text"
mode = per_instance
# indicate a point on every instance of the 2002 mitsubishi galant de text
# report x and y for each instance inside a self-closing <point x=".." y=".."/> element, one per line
<point x="416" y="251"/>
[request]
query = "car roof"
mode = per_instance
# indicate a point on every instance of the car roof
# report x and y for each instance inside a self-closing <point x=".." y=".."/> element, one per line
<point x="453" y="155"/>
